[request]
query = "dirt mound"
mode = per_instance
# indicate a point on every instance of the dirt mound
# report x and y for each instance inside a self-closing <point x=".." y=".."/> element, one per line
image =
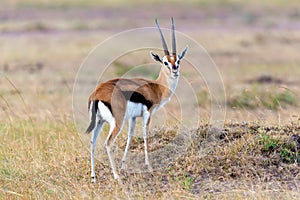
<point x="266" y="79"/>
<point x="241" y="155"/>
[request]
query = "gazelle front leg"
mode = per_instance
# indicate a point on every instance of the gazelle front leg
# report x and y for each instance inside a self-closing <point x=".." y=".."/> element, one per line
<point x="146" y="120"/>
<point x="132" y="123"/>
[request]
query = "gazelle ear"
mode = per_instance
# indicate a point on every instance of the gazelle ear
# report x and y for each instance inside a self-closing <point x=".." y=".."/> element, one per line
<point x="183" y="52"/>
<point x="155" y="57"/>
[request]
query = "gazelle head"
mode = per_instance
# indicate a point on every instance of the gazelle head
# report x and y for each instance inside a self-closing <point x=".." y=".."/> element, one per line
<point x="170" y="62"/>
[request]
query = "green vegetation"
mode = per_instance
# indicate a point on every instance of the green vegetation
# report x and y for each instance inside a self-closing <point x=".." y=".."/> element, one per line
<point x="245" y="100"/>
<point x="42" y="155"/>
<point x="121" y="70"/>
<point x="285" y="150"/>
<point x="257" y="97"/>
<point x="268" y="142"/>
<point x="289" y="155"/>
<point x="286" y="97"/>
<point x="51" y="160"/>
<point x="203" y="98"/>
<point x="187" y="182"/>
<point x="139" y="140"/>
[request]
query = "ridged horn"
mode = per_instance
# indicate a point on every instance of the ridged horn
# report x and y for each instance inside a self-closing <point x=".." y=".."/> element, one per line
<point x="164" y="44"/>
<point x="173" y="38"/>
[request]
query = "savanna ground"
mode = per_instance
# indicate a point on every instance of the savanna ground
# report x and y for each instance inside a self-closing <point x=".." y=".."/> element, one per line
<point x="256" y="48"/>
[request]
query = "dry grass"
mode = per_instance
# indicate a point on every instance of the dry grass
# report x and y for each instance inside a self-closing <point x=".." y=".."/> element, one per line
<point x="256" y="97"/>
<point x="43" y="157"/>
<point x="46" y="159"/>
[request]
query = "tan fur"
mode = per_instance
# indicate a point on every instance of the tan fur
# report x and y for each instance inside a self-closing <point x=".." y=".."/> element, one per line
<point x="172" y="59"/>
<point x="143" y="98"/>
<point x="111" y="92"/>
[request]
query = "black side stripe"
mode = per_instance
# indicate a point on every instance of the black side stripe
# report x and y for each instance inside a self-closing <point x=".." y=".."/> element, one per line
<point x="93" y="117"/>
<point x="137" y="98"/>
<point x="107" y="105"/>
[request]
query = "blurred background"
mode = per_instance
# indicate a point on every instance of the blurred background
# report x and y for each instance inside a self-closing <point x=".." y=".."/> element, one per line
<point x="254" y="44"/>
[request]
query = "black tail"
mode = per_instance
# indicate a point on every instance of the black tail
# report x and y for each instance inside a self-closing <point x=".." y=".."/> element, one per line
<point x="93" y="117"/>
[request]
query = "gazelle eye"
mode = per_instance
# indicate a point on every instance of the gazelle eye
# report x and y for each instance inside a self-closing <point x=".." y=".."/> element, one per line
<point x="166" y="63"/>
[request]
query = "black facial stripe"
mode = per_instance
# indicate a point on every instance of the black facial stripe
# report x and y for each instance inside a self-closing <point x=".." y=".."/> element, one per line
<point x="156" y="57"/>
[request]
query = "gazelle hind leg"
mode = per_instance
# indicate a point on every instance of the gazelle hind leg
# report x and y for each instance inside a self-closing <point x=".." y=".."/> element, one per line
<point x="132" y="123"/>
<point x="96" y="131"/>
<point x="113" y="133"/>
<point x="146" y="120"/>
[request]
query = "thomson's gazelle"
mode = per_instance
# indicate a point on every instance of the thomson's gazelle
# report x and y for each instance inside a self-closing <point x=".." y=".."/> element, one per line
<point x="120" y="99"/>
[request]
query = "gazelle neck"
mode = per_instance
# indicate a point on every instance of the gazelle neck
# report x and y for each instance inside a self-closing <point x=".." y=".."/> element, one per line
<point x="167" y="82"/>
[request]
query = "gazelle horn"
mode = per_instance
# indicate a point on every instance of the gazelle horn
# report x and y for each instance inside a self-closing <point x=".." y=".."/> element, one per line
<point x="164" y="44"/>
<point x="173" y="38"/>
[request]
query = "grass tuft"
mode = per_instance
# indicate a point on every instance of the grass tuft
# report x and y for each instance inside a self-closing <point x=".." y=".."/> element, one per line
<point x="49" y="161"/>
<point x="262" y="98"/>
<point x="268" y="142"/>
<point x="187" y="182"/>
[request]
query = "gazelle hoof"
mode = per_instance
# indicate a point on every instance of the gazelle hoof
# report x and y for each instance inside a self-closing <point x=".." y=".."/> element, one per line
<point x="116" y="176"/>
<point x="150" y="169"/>
<point x="93" y="179"/>
<point x="124" y="166"/>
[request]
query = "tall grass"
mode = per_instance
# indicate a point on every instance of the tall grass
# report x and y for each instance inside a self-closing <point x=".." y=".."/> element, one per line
<point x="258" y="97"/>
<point x="46" y="159"/>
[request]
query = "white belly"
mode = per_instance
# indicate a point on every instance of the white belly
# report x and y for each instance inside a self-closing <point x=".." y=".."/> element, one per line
<point x="134" y="109"/>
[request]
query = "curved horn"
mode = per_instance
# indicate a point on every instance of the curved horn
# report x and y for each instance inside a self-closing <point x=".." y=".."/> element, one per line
<point x="173" y="38"/>
<point x="164" y="44"/>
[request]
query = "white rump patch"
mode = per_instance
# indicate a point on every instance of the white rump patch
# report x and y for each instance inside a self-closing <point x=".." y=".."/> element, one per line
<point x="104" y="113"/>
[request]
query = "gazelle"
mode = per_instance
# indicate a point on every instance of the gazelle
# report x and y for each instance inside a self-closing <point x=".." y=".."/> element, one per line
<point x="120" y="99"/>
